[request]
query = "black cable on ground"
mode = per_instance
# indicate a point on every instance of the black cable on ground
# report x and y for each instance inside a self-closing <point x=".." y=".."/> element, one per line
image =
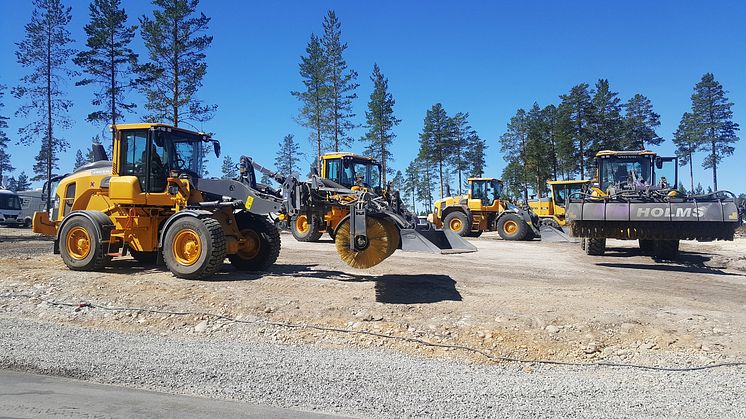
<point x="79" y="306"/>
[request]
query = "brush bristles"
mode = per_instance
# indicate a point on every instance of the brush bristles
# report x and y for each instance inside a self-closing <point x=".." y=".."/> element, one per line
<point x="383" y="239"/>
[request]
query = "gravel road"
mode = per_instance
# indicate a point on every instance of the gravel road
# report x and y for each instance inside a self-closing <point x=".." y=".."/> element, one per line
<point x="362" y="382"/>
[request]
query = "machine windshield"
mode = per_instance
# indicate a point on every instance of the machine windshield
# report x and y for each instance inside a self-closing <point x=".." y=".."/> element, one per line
<point x="357" y="171"/>
<point x="9" y="202"/>
<point x="486" y="190"/>
<point x="666" y="172"/>
<point x="562" y="192"/>
<point x="182" y="151"/>
<point x="633" y="172"/>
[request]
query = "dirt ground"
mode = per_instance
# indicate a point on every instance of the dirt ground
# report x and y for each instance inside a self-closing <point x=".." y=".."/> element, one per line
<point x="526" y="300"/>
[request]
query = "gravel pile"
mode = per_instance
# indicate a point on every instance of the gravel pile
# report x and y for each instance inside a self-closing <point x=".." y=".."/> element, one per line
<point x="363" y="382"/>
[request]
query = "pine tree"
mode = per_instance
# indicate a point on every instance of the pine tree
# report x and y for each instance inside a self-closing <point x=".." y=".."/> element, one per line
<point x="475" y="154"/>
<point x="45" y="51"/>
<point x="397" y="182"/>
<point x="229" y="168"/>
<point x="340" y="82"/>
<point x="687" y="140"/>
<point x="288" y="156"/>
<point x="538" y="151"/>
<point x="576" y="109"/>
<point x="410" y="183"/>
<point x="176" y="44"/>
<point x="699" y="190"/>
<point x="513" y="177"/>
<point x="513" y="148"/>
<point x="435" y="143"/>
<point x="550" y="124"/>
<point x="22" y="183"/>
<point x="640" y="123"/>
<point x="108" y="61"/>
<point x="79" y="159"/>
<point x="462" y="139"/>
<point x="607" y="123"/>
<point x="5" y="165"/>
<point x="314" y="99"/>
<point x="380" y="121"/>
<point x="711" y="111"/>
<point x="10" y="184"/>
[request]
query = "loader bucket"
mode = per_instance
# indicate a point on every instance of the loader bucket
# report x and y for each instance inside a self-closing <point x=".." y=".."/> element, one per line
<point x="427" y="239"/>
<point x="556" y="235"/>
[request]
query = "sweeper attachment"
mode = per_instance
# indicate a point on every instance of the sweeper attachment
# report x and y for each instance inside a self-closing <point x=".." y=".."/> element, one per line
<point x="376" y="224"/>
<point x="636" y="198"/>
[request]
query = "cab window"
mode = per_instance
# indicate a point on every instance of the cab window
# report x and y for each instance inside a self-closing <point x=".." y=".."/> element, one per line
<point x="134" y="155"/>
<point x="332" y="170"/>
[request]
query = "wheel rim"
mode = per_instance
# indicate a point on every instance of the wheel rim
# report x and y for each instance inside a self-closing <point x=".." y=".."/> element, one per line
<point x="251" y="244"/>
<point x="78" y="243"/>
<point x="456" y="225"/>
<point x="510" y="227"/>
<point x="187" y="247"/>
<point x="301" y="223"/>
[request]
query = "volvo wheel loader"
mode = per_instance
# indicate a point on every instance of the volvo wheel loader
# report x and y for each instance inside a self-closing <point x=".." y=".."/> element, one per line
<point x="151" y="202"/>
<point x="352" y="172"/>
<point x="374" y="224"/>
<point x="634" y="197"/>
<point x="551" y="209"/>
<point x="483" y="209"/>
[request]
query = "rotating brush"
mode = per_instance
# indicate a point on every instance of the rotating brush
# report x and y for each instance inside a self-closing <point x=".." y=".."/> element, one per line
<point x="383" y="240"/>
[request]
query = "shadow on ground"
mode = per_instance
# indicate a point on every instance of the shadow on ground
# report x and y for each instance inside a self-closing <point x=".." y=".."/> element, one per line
<point x="688" y="262"/>
<point x="389" y="289"/>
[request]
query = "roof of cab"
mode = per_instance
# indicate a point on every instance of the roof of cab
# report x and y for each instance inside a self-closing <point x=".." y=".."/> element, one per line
<point x="148" y="125"/>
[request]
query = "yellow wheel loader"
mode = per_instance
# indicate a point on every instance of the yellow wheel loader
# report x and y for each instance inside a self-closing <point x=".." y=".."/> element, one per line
<point x="482" y="209"/>
<point x="151" y="202"/>
<point x="551" y="210"/>
<point x="374" y="222"/>
<point x="349" y="170"/>
<point x="634" y="196"/>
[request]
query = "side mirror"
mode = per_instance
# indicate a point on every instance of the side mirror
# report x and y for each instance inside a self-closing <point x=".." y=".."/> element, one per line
<point x="658" y="163"/>
<point x="158" y="139"/>
<point x="216" y="147"/>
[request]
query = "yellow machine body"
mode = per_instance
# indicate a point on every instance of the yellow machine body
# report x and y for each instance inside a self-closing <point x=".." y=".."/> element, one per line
<point x="553" y="207"/>
<point x="481" y="203"/>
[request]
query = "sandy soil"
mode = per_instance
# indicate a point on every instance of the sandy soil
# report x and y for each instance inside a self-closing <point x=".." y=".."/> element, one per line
<point x="519" y="299"/>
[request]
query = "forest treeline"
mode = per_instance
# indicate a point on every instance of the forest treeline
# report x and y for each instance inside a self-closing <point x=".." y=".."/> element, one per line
<point x="555" y="141"/>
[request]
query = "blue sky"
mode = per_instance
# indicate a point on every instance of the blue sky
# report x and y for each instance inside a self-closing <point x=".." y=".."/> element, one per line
<point x="485" y="58"/>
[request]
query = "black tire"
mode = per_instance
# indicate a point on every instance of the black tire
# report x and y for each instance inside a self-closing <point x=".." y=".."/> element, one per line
<point x="475" y="233"/>
<point x="457" y="222"/>
<point x="512" y="227"/>
<point x="73" y="237"/>
<point x="210" y="247"/>
<point x="666" y="249"/>
<point x="582" y="243"/>
<point x="26" y="223"/>
<point x="647" y="246"/>
<point x="311" y="234"/>
<point x="595" y="246"/>
<point x="269" y="243"/>
<point x="146" y="258"/>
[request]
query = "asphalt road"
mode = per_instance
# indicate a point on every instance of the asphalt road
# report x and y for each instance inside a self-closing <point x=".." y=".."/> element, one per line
<point x="31" y="395"/>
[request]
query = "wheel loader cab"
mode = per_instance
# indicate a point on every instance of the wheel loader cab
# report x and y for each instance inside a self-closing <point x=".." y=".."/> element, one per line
<point x="351" y="170"/>
<point x="635" y="170"/>
<point x="484" y="193"/>
<point x="147" y="155"/>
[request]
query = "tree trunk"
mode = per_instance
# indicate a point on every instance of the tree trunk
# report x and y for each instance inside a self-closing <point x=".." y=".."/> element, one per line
<point x="582" y="148"/>
<point x="176" y="74"/>
<point x="113" y="91"/>
<point x="50" y="153"/>
<point x="691" y="171"/>
<point x="383" y="158"/>
<point x="440" y="173"/>
<point x="714" y="167"/>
